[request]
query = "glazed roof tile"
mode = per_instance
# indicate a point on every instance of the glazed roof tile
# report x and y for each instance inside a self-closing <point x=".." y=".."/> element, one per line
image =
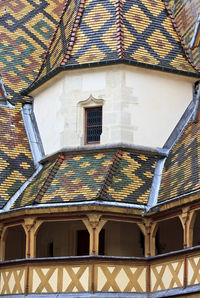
<point x="16" y="164"/>
<point x="113" y="176"/>
<point x="181" y="173"/>
<point x="184" y="15"/>
<point x="139" y="31"/>
<point x="25" y="30"/>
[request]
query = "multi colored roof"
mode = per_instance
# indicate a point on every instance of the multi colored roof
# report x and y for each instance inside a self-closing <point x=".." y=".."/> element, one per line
<point x="113" y="176"/>
<point x="184" y="15"/>
<point x="138" y="32"/>
<point x="16" y="164"/>
<point x="25" y="30"/>
<point x="181" y="173"/>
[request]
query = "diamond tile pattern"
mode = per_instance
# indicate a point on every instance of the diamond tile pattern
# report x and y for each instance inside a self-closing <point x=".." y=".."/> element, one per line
<point x="146" y="34"/>
<point x="94" y="176"/>
<point x="150" y="35"/>
<point x="185" y="14"/>
<point x="26" y="27"/>
<point x="16" y="164"/>
<point x="182" y="169"/>
<point x="61" y="40"/>
<point x="99" y="27"/>
<point x="25" y="30"/>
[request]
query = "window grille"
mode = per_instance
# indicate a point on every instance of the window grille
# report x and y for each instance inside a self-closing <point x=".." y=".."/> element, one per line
<point x="93" y="125"/>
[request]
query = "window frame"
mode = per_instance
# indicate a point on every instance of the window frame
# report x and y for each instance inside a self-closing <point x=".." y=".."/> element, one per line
<point x="86" y="126"/>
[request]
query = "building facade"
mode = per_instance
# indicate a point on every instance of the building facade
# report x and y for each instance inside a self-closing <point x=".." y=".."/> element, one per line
<point x="100" y="148"/>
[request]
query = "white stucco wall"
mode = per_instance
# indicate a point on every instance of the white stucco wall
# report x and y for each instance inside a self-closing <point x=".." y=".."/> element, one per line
<point x="140" y="106"/>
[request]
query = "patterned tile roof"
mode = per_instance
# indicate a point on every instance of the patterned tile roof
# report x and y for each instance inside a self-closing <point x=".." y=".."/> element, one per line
<point x="182" y="169"/>
<point x="113" y="176"/>
<point x="25" y="30"/>
<point x="92" y="31"/>
<point x="16" y="164"/>
<point x="184" y="15"/>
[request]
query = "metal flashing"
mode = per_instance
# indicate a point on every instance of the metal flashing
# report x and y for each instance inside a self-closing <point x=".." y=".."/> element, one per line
<point x="161" y="152"/>
<point x="196" y="105"/>
<point x="179" y="197"/>
<point x="154" y="192"/>
<point x="20" y="191"/>
<point x="195" y="42"/>
<point x="74" y="204"/>
<point x="180" y="127"/>
<point x="32" y="133"/>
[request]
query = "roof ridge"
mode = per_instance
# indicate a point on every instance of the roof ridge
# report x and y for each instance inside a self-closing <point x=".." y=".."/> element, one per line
<point x="186" y="50"/>
<point x="120" y="30"/>
<point x="73" y="32"/>
<point x="111" y="171"/>
<point x="49" y="179"/>
<point x="51" y="41"/>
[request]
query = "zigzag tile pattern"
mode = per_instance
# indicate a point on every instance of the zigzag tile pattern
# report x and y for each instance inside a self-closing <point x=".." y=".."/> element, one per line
<point x="133" y="179"/>
<point x="185" y="14"/>
<point x="61" y="39"/>
<point x="150" y="37"/>
<point x="25" y="30"/>
<point x="91" y="176"/>
<point x="16" y="164"/>
<point x="32" y="190"/>
<point x="182" y="169"/>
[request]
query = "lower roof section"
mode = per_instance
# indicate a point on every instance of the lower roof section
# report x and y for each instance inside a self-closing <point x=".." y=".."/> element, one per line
<point x="182" y="167"/>
<point x="112" y="175"/>
<point x="16" y="162"/>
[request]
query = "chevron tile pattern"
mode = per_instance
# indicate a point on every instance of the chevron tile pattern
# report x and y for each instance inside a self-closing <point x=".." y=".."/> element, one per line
<point x="25" y="30"/>
<point x="185" y="14"/>
<point x="62" y="39"/>
<point x="16" y="164"/>
<point x="182" y="168"/>
<point x="132" y="181"/>
<point x="111" y="176"/>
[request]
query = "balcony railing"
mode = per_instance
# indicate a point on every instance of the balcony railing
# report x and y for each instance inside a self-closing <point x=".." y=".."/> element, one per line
<point x="101" y="273"/>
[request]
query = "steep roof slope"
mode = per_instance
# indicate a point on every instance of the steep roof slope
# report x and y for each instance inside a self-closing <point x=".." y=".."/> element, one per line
<point x="16" y="164"/>
<point x="138" y="32"/>
<point x="25" y="30"/>
<point x="182" y="169"/>
<point x="116" y="176"/>
<point x="185" y="15"/>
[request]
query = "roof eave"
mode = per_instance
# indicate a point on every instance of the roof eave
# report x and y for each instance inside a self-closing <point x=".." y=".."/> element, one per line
<point x="126" y="61"/>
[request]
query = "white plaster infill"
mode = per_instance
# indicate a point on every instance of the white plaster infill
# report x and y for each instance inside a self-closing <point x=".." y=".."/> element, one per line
<point x="140" y="106"/>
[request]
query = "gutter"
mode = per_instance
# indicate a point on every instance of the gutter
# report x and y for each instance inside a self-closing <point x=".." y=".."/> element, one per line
<point x="20" y="191"/>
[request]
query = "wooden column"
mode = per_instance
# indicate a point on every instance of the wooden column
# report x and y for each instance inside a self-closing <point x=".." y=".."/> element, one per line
<point x="31" y="224"/>
<point x="1" y="242"/>
<point x="185" y="219"/>
<point x="148" y="230"/>
<point x="94" y="224"/>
